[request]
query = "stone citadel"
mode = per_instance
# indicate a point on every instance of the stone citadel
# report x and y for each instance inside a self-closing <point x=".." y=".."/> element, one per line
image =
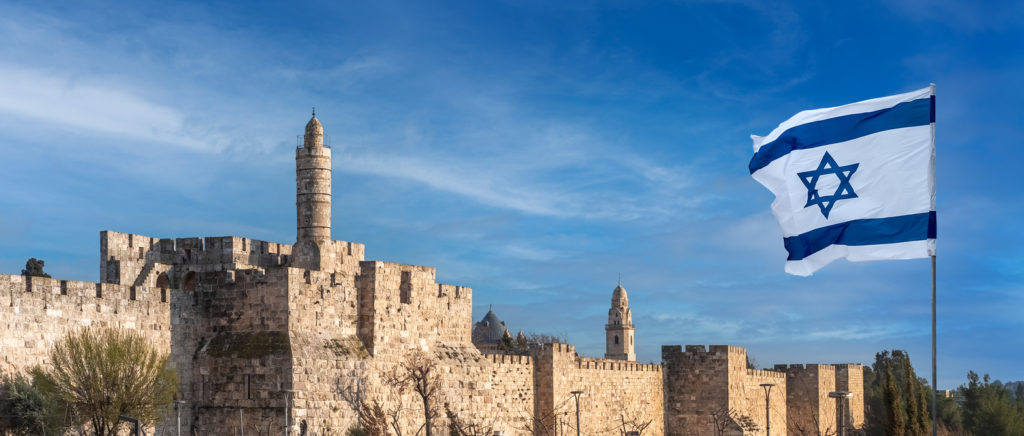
<point x="263" y="334"/>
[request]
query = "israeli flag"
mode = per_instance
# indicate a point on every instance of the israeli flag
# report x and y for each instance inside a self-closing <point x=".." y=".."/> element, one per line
<point x="854" y="181"/>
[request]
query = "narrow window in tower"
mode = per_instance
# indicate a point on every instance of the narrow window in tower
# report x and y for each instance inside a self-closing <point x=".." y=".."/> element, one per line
<point x="616" y="339"/>
<point x="405" y="287"/>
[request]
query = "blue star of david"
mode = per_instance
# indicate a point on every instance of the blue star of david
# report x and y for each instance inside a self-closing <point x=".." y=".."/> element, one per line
<point x="828" y="165"/>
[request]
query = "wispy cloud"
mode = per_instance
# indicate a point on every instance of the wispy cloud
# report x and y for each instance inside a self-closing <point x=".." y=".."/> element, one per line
<point x="64" y="100"/>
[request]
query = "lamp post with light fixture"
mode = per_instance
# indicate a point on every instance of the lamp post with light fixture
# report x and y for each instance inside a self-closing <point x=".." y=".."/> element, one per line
<point x="577" y="394"/>
<point x="840" y="396"/>
<point x="767" y="409"/>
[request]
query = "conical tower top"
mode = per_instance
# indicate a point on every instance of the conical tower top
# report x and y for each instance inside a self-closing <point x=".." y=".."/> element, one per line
<point x="314" y="132"/>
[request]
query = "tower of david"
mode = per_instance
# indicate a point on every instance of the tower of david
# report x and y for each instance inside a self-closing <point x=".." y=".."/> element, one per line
<point x="271" y="338"/>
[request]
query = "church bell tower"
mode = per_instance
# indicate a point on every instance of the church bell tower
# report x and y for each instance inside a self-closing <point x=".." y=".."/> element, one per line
<point x="619" y="330"/>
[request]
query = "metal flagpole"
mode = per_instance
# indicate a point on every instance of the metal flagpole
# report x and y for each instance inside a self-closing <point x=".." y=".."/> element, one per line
<point x="935" y="387"/>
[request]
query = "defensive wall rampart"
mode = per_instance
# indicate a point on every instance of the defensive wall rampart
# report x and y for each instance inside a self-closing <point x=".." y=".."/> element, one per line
<point x="37" y="311"/>
<point x="253" y="338"/>
<point x="402" y="308"/>
<point x="615" y="393"/>
<point x="708" y="386"/>
<point x="810" y="407"/>
<point x="850" y="378"/>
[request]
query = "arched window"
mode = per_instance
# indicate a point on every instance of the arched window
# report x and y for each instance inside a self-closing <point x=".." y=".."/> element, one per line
<point x="616" y="339"/>
<point x="162" y="281"/>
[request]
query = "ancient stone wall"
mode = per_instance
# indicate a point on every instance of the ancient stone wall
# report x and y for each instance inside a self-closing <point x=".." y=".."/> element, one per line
<point x="139" y="260"/>
<point x="257" y="342"/>
<point x="402" y="307"/>
<point x="709" y="388"/>
<point x="696" y="385"/>
<point x="810" y="409"/>
<point x="850" y="378"/>
<point x="747" y="396"/>
<point x="615" y="394"/>
<point x="331" y="369"/>
<point x="35" y="312"/>
<point x="491" y="391"/>
<point x="240" y="362"/>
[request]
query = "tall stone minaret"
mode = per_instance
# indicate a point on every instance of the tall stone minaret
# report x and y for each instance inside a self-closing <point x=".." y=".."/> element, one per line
<point x="313" y="185"/>
<point x="619" y="330"/>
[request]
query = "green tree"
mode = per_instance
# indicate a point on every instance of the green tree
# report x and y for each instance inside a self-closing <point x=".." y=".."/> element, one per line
<point x="950" y="416"/>
<point x="896" y="400"/>
<point x="100" y="374"/>
<point x="1019" y="395"/>
<point x="924" y="413"/>
<point x="26" y="411"/>
<point x="913" y="408"/>
<point x="988" y="408"/>
<point x="34" y="268"/>
<point x="893" y="402"/>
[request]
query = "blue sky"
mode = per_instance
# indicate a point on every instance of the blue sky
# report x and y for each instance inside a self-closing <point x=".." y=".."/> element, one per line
<point x="533" y="152"/>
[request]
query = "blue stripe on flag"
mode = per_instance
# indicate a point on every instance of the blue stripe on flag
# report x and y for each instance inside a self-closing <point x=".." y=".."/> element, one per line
<point x="871" y="231"/>
<point x="918" y="112"/>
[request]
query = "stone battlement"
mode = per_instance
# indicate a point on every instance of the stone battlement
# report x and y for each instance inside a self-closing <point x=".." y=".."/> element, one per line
<point x="37" y="311"/>
<point x="560" y="348"/>
<point x="797" y="368"/>
<point x="510" y="359"/>
<point x="25" y="290"/>
<point x="704" y="379"/>
<point x="766" y="373"/>
<point x="264" y="333"/>
<point x="196" y="250"/>
<point x="127" y="258"/>
<point x="615" y="365"/>
<point x="703" y="349"/>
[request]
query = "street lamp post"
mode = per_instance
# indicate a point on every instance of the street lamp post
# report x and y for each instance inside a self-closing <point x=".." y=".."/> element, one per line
<point x="767" y="409"/>
<point x="840" y="396"/>
<point x="577" y="395"/>
<point x="287" y="397"/>
<point x="179" y="405"/>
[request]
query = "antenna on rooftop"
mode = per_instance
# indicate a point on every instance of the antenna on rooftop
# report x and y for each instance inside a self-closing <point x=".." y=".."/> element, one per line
<point x="314" y="111"/>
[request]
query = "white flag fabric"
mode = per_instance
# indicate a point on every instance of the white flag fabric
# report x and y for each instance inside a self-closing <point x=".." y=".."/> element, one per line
<point x="854" y="181"/>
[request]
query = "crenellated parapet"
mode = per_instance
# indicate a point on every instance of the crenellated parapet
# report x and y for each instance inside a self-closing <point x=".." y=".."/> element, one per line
<point x="850" y="378"/>
<point x="35" y="312"/>
<point x="144" y="261"/>
<point x="402" y="307"/>
<point x="701" y="382"/>
<point x="612" y="390"/>
<point x="811" y="408"/>
<point x="615" y="365"/>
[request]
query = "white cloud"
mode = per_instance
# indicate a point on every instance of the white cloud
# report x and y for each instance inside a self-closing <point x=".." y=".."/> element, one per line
<point x="81" y="103"/>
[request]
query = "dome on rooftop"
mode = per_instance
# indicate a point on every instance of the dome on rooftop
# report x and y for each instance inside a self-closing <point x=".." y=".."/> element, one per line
<point x="313" y="127"/>
<point x="619" y="297"/>
<point x="490" y="329"/>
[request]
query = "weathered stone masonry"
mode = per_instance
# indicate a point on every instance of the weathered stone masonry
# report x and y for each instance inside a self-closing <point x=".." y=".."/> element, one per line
<point x="259" y="331"/>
